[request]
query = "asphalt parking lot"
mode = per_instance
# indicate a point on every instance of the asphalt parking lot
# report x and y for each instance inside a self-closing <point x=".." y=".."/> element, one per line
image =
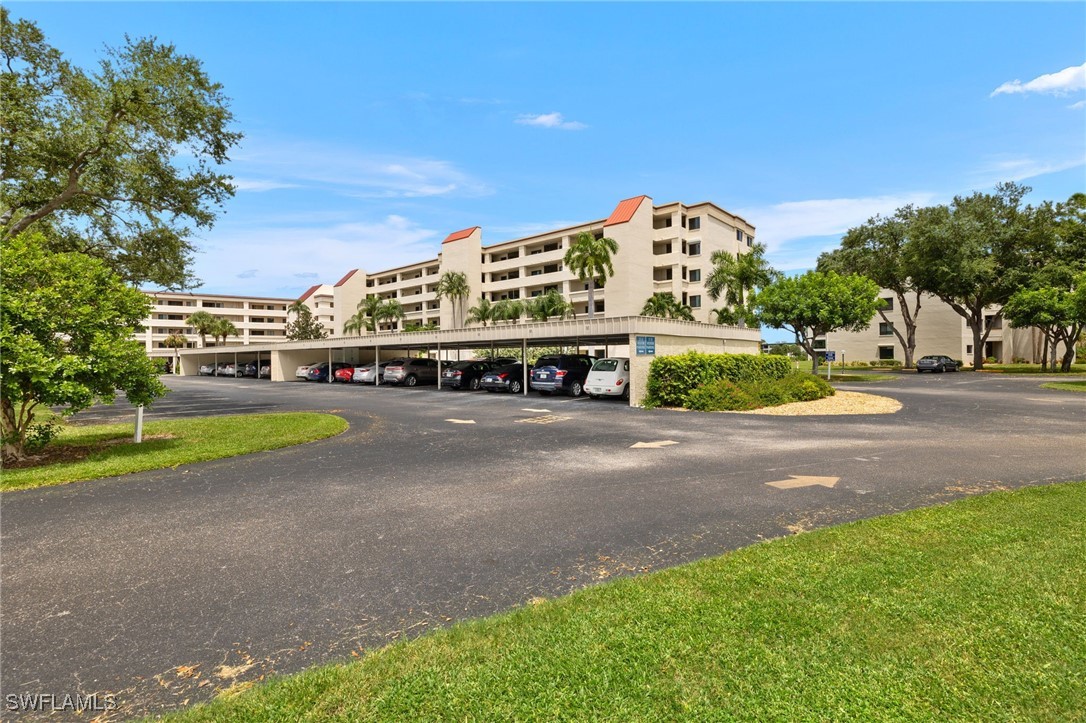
<point x="436" y="506"/>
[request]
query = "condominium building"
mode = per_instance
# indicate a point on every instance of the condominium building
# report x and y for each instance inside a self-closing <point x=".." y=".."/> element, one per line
<point x="320" y="298"/>
<point x="663" y="248"/>
<point x="939" y="330"/>
<point x="258" y="319"/>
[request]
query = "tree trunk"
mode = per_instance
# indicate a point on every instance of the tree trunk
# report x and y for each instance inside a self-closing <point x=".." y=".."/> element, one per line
<point x="1044" y="354"/>
<point x="12" y="448"/>
<point x="591" y="297"/>
<point x="978" y="343"/>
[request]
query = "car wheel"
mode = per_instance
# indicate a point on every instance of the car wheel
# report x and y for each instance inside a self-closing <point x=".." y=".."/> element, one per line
<point x="626" y="392"/>
<point x="474" y="384"/>
<point x="576" y="390"/>
<point x="515" y="387"/>
<point x="410" y="381"/>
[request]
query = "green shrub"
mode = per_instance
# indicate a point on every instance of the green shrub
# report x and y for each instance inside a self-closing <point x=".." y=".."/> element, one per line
<point x="804" y="387"/>
<point x="672" y="378"/>
<point x="892" y="363"/>
<point x="719" y="396"/>
<point x="768" y="393"/>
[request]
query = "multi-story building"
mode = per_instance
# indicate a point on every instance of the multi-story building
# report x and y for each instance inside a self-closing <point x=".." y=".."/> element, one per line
<point x="320" y="298"/>
<point x="660" y="248"/>
<point x="258" y="319"/>
<point x="939" y="330"/>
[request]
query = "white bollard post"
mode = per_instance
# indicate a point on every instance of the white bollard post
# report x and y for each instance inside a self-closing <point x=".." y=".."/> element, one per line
<point x="139" y="424"/>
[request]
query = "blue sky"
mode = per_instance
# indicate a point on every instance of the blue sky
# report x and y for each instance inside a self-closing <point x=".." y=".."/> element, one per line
<point x="373" y="130"/>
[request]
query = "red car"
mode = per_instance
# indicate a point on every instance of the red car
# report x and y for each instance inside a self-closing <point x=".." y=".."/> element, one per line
<point x="345" y="374"/>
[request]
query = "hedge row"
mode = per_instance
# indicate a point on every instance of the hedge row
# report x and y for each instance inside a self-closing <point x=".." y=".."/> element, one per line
<point x="672" y="378"/>
<point x="725" y="395"/>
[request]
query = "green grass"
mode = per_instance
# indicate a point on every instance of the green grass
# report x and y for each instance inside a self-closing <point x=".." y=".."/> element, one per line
<point x="1066" y="386"/>
<point x="193" y="440"/>
<point x="974" y="610"/>
<point x="1031" y="369"/>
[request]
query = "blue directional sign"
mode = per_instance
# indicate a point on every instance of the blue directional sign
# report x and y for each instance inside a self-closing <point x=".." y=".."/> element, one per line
<point x="831" y="356"/>
<point x="646" y="346"/>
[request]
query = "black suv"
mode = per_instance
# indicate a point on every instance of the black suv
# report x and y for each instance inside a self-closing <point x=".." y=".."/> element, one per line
<point x="561" y="373"/>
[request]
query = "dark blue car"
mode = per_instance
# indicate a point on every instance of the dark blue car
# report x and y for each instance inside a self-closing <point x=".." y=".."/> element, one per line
<point x="319" y="372"/>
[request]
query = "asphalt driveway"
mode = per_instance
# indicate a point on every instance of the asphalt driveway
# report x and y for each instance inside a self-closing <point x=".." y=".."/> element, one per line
<point x="163" y="587"/>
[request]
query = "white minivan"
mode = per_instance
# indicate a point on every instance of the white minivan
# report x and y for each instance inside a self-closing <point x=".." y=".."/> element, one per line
<point x="609" y="377"/>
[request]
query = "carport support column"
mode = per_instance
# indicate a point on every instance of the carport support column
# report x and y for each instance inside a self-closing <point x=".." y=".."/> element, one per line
<point x="524" y="365"/>
<point x="330" y="377"/>
<point x="376" y="366"/>
<point x="439" y="365"/>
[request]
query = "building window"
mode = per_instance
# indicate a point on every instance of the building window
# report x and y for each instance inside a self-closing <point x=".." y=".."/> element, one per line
<point x="738" y="234"/>
<point x="886" y="352"/>
<point x="694" y="224"/>
<point x="819" y="344"/>
<point x="695" y="302"/>
<point x="695" y="248"/>
<point x="888" y="303"/>
<point x="599" y="307"/>
<point x="886" y="328"/>
<point x="968" y="348"/>
<point x="695" y="274"/>
<point x="684" y="273"/>
<point x="993" y="322"/>
<point x="750" y="240"/>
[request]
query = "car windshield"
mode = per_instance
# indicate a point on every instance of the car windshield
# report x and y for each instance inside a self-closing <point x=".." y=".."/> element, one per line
<point x="605" y="365"/>
<point x="547" y="361"/>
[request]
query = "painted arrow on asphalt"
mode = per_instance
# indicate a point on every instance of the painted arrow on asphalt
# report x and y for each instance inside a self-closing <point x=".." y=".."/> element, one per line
<point x="461" y="421"/>
<point x="797" y="481"/>
<point x="652" y="445"/>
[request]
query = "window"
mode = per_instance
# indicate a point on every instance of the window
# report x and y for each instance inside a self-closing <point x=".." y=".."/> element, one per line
<point x="694" y="224"/>
<point x="599" y="307"/>
<point x="695" y="248"/>
<point x="695" y="274"/>
<point x="695" y="301"/>
<point x="886" y="328"/>
<point x="819" y="344"/>
<point x="968" y="348"/>
<point x="886" y="352"/>
<point x="887" y="303"/>
<point x="750" y="241"/>
<point x="993" y="322"/>
<point x="684" y="273"/>
<point x="738" y="235"/>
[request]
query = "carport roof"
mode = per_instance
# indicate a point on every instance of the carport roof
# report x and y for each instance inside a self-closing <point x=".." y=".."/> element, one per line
<point x="600" y="330"/>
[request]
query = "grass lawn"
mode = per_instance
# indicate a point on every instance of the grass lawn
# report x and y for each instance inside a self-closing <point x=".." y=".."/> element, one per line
<point x="1030" y="369"/>
<point x="974" y="610"/>
<point x="1066" y="386"/>
<point x="168" y="444"/>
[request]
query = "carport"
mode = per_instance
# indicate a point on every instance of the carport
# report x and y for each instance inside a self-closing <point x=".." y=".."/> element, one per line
<point x="640" y="337"/>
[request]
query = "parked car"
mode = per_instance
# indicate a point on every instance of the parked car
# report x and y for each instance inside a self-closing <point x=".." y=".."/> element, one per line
<point x="410" y="372"/>
<point x="561" y="373"/>
<point x="466" y="374"/>
<point x="207" y="370"/>
<point x="249" y="370"/>
<point x="609" y="377"/>
<point x="346" y="374"/>
<point x="265" y="371"/>
<point x="226" y="369"/>
<point x="508" y="378"/>
<point x="302" y="372"/>
<point x="936" y="364"/>
<point x="367" y="374"/>
<point x="319" y="372"/>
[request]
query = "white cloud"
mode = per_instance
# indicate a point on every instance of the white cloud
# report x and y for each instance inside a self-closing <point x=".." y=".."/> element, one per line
<point x="1021" y="168"/>
<point x="250" y="184"/>
<point x="1078" y="106"/>
<point x="1062" y="82"/>
<point x="265" y="165"/>
<point x="550" y="120"/>
<point x="294" y="257"/>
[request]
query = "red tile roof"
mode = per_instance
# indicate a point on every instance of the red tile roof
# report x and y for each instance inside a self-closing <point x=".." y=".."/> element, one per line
<point x="624" y="211"/>
<point x="309" y="292"/>
<point x="347" y="277"/>
<point x="457" y="235"/>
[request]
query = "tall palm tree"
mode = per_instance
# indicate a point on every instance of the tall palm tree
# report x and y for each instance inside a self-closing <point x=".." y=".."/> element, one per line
<point x="296" y="306"/>
<point x="202" y="322"/>
<point x="482" y="312"/>
<point x="175" y="341"/>
<point x="508" y="310"/>
<point x="223" y="328"/>
<point x="664" y="305"/>
<point x="388" y="310"/>
<point x="735" y="277"/>
<point x="357" y="323"/>
<point x="453" y="285"/>
<point x="590" y="258"/>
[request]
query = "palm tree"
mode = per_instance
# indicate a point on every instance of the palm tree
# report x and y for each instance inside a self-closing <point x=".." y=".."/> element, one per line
<point x="508" y="310"/>
<point x="357" y="323"/>
<point x="389" y="310"/>
<point x="550" y="304"/>
<point x="590" y="258"/>
<point x="482" y="312"/>
<point x="722" y="316"/>
<point x="297" y="306"/>
<point x="664" y="305"/>
<point x="223" y="328"/>
<point x="202" y="322"/>
<point x="175" y="341"/>
<point x="453" y="285"/>
<point x="735" y="277"/>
